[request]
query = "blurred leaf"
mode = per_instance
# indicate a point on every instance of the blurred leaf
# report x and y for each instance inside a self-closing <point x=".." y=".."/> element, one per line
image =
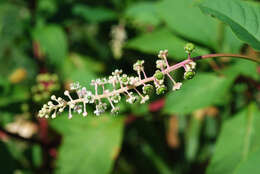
<point x="242" y="17"/>
<point x="75" y="70"/>
<point x="8" y="163"/>
<point x="157" y="161"/>
<point x="94" y="14"/>
<point x="192" y="139"/>
<point x="230" y="44"/>
<point x="188" y="21"/>
<point x="237" y="144"/>
<point x="162" y="39"/>
<point x="90" y="145"/>
<point x="18" y="93"/>
<point x="10" y="16"/>
<point x="243" y="67"/>
<point x="203" y="90"/>
<point x="82" y="61"/>
<point x="143" y="13"/>
<point x="53" y="43"/>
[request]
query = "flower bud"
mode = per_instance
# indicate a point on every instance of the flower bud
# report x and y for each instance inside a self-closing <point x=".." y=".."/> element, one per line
<point x="189" y="48"/>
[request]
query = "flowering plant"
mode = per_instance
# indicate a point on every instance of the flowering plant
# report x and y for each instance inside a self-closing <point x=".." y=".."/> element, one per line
<point x="122" y="84"/>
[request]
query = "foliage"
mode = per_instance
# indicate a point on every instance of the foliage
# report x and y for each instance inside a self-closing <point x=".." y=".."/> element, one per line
<point x="210" y="125"/>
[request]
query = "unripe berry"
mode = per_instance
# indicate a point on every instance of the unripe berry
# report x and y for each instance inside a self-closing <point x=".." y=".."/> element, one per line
<point x="189" y="75"/>
<point x="147" y="89"/>
<point x="161" y="90"/>
<point x="189" y="47"/>
<point x="159" y="75"/>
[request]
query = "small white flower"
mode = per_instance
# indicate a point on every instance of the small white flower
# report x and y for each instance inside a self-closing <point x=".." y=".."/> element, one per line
<point x="163" y="53"/>
<point x="82" y="92"/>
<point x="133" y="80"/>
<point x="177" y="86"/>
<point x="89" y="97"/>
<point x="78" y="109"/>
<point x="117" y="72"/>
<point x="115" y="110"/>
<point x="138" y="66"/>
<point x="112" y="79"/>
<point x="144" y="99"/>
<point x="116" y="98"/>
<point x="190" y="66"/>
<point x="160" y="64"/>
<point x="100" y="108"/>
<point x="131" y="99"/>
<point x="97" y="112"/>
<point x="74" y="86"/>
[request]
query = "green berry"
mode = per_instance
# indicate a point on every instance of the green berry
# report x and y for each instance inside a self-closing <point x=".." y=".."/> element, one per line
<point x="189" y="47"/>
<point x="124" y="79"/>
<point x="189" y="75"/>
<point x="159" y="75"/>
<point x="161" y="90"/>
<point x="148" y="89"/>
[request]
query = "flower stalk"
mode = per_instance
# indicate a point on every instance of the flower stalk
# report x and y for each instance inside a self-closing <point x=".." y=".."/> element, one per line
<point x="126" y="85"/>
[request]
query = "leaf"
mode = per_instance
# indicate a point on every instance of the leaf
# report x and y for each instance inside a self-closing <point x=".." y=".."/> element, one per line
<point x="242" y="17"/>
<point x="188" y="21"/>
<point x="203" y="90"/>
<point x="162" y="39"/>
<point x="90" y="145"/>
<point x="237" y="143"/>
<point x="243" y="67"/>
<point x="192" y="138"/>
<point x="92" y="14"/>
<point x="143" y="13"/>
<point x="76" y="69"/>
<point x="53" y="43"/>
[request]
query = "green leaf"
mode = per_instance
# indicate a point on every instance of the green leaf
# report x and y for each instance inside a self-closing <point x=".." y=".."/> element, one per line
<point x="143" y="13"/>
<point x="53" y="43"/>
<point x="241" y="16"/>
<point x="236" y="146"/>
<point x="90" y="145"/>
<point x="188" y="21"/>
<point x="92" y="14"/>
<point x="203" y="90"/>
<point x="192" y="138"/>
<point x="162" y="39"/>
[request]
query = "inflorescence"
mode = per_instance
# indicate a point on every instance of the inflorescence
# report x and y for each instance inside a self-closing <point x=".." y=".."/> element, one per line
<point x="121" y="84"/>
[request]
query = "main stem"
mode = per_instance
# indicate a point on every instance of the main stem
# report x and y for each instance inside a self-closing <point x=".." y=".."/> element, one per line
<point x="170" y="69"/>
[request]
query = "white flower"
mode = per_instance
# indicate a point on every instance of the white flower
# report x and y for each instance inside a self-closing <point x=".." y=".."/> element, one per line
<point x="89" y="97"/>
<point x="190" y="66"/>
<point x="117" y="72"/>
<point x="112" y="79"/>
<point x="115" y="110"/>
<point x="78" y="109"/>
<point x="160" y="64"/>
<point x="131" y="99"/>
<point x="133" y="80"/>
<point x="82" y="92"/>
<point x="138" y="66"/>
<point x="100" y="108"/>
<point x="144" y="99"/>
<point x="74" y="86"/>
<point x="116" y="98"/>
<point x="163" y="53"/>
<point x="177" y="86"/>
<point x="97" y="112"/>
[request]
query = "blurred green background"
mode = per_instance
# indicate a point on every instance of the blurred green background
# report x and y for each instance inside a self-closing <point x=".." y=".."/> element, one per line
<point x="47" y="44"/>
